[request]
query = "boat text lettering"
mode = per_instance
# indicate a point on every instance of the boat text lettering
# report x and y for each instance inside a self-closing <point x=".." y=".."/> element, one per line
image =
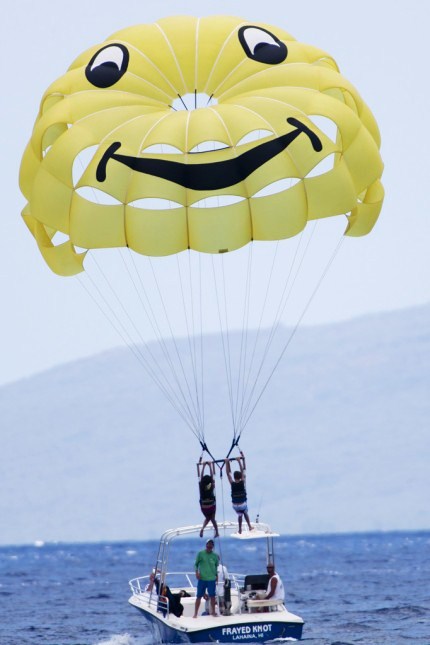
<point x="247" y="631"/>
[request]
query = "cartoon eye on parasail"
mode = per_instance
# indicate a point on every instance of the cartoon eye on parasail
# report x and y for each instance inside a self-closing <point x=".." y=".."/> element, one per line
<point x="144" y="104"/>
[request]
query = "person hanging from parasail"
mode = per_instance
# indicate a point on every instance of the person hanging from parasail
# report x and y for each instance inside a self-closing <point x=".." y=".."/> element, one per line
<point x="238" y="489"/>
<point x="207" y="494"/>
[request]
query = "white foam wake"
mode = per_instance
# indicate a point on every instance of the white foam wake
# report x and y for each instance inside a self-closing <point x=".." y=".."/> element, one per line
<point x="124" y="639"/>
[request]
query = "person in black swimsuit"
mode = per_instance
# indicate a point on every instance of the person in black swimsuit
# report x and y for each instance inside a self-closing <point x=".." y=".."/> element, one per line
<point x="207" y="496"/>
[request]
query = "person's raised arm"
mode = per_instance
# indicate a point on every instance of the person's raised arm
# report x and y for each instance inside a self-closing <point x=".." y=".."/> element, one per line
<point x="228" y="470"/>
<point x="203" y="465"/>
<point x="200" y="468"/>
<point x="243" y="460"/>
<point x="242" y="466"/>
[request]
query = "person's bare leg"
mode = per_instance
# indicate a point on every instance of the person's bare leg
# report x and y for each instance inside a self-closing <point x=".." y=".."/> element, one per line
<point x="240" y="523"/>
<point x="205" y="523"/>
<point x="197" y="607"/>
<point x="247" y="521"/>
<point x="215" y="527"/>
<point x="212" y="599"/>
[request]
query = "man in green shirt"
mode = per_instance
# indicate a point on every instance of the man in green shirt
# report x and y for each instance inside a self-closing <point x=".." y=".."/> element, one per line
<point x="206" y="566"/>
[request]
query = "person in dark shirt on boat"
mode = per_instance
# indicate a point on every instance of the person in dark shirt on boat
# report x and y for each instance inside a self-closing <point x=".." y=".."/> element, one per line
<point x="175" y="605"/>
<point x="238" y="490"/>
<point x="207" y="495"/>
<point x="206" y="566"/>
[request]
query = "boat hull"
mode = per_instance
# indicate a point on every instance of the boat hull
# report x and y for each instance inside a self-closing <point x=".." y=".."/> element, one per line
<point x="241" y="631"/>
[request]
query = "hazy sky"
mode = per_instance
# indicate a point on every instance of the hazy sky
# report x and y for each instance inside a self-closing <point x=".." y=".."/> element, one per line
<point x="381" y="47"/>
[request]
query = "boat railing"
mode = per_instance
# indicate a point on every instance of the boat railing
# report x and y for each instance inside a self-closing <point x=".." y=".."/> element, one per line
<point x="138" y="585"/>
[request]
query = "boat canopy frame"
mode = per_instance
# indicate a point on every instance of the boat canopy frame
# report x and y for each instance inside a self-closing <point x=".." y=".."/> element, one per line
<point x="259" y="531"/>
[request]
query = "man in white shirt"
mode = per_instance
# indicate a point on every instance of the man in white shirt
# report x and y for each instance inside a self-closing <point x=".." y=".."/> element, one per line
<point x="275" y="587"/>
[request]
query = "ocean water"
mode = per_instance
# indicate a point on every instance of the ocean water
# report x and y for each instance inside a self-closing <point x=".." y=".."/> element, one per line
<point x="366" y="588"/>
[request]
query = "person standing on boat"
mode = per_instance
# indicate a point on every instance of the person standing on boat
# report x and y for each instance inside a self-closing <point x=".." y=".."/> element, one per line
<point x="238" y="490"/>
<point x="223" y="590"/>
<point x="275" y="587"/>
<point x="207" y="495"/>
<point x="206" y="566"/>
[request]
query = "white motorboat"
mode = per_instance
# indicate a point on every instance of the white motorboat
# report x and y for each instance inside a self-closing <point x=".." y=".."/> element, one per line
<point x="243" y="616"/>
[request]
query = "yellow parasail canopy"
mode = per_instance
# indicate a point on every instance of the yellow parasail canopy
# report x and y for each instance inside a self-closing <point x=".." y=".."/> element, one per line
<point x="249" y="159"/>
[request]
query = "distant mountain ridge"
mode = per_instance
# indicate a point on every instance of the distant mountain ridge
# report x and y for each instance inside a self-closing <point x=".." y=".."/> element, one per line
<point x="91" y="450"/>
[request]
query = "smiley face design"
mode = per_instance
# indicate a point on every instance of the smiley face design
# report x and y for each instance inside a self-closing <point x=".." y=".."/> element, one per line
<point x="199" y="134"/>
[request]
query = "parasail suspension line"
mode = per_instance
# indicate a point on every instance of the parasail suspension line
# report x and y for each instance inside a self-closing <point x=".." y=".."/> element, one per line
<point x="330" y="262"/>
<point x="280" y="309"/>
<point x="244" y="340"/>
<point x="147" y="308"/>
<point x="257" y="336"/>
<point x="172" y="336"/>
<point x="191" y="335"/>
<point x="225" y="344"/>
<point x="134" y="348"/>
<point x="234" y="444"/>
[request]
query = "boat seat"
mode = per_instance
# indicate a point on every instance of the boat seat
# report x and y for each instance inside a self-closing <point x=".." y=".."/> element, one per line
<point x="264" y="603"/>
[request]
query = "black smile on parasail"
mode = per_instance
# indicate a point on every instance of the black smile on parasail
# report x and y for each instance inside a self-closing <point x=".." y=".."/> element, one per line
<point x="210" y="175"/>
